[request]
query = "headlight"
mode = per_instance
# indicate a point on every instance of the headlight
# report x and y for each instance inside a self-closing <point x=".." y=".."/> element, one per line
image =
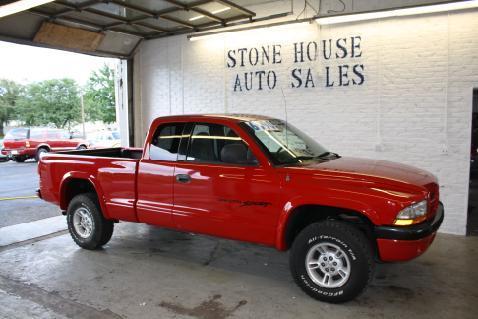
<point x="412" y="214"/>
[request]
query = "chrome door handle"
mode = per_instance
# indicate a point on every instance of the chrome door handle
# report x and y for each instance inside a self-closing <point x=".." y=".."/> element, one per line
<point x="183" y="178"/>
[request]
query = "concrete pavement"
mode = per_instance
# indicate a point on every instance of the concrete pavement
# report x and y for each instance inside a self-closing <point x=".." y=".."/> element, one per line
<point x="26" y="231"/>
<point x="146" y="272"/>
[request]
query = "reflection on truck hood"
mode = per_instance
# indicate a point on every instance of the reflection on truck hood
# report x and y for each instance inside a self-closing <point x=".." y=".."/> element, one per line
<point x="370" y="169"/>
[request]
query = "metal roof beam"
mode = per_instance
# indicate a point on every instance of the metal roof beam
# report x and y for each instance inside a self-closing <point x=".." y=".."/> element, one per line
<point x="88" y="24"/>
<point x="147" y="13"/>
<point x="133" y="7"/>
<point x="162" y="14"/>
<point x="178" y="21"/>
<point x="237" y="7"/>
<point x="150" y="26"/>
<point x="73" y="8"/>
<point x="107" y="15"/>
<point x="193" y="7"/>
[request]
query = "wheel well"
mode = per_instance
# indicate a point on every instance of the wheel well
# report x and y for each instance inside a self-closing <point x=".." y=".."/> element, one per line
<point x="43" y="146"/>
<point x="305" y="215"/>
<point x="75" y="186"/>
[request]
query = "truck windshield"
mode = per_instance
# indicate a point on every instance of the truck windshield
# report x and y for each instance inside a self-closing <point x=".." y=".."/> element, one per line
<point x="285" y="143"/>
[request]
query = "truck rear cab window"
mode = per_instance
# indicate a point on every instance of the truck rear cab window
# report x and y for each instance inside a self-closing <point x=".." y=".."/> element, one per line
<point x="215" y="143"/>
<point x="165" y="143"/>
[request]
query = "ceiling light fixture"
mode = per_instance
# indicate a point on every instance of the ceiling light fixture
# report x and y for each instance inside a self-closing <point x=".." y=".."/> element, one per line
<point x="19" y="6"/>
<point x="213" y="12"/>
<point x="398" y="12"/>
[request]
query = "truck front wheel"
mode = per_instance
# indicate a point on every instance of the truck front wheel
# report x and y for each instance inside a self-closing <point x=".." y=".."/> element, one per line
<point x="331" y="261"/>
<point x="87" y="226"/>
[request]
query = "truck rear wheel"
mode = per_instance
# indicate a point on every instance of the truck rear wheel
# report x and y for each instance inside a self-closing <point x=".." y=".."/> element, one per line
<point x="331" y="261"/>
<point x="87" y="226"/>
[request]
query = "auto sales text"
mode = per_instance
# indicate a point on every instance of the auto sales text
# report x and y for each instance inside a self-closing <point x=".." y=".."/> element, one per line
<point x="341" y="59"/>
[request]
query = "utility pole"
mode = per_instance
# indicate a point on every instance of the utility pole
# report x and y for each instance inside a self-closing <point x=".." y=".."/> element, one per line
<point x="83" y="115"/>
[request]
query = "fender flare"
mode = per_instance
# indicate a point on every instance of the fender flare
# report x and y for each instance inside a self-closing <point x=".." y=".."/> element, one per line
<point x="43" y="145"/>
<point x="345" y="203"/>
<point x="84" y="176"/>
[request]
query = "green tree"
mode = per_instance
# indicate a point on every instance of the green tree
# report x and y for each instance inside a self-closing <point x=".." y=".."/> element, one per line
<point x="54" y="102"/>
<point x="10" y="92"/>
<point x="99" y="98"/>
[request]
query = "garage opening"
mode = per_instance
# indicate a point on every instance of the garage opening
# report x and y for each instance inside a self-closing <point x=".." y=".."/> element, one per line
<point x="472" y="223"/>
<point x="56" y="102"/>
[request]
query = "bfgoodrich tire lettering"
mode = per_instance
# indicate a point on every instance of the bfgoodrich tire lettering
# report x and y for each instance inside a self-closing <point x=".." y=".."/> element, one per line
<point x="347" y="239"/>
<point x="100" y="229"/>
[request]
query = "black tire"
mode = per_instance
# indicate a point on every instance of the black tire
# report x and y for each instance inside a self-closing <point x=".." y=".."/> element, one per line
<point x="19" y="159"/>
<point x="39" y="153"/>
<point x="81" y="147"/>
<point x="353" y="244"/>
<point x="102" y="229"/>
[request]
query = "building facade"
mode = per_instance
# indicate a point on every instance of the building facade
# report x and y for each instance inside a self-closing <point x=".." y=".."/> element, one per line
<point x="398" y="88"/>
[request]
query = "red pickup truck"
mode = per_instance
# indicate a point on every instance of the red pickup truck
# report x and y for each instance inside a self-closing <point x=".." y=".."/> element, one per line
<point x="22" y="143"/>
<point x="256" y="179"/>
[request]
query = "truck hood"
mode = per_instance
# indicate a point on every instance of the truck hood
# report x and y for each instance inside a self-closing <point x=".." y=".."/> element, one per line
<point x="369" y="170"/>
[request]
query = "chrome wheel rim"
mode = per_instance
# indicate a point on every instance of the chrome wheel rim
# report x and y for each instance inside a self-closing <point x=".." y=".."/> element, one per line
<point x="328" y="265"/>
<point x="82" y="222"/>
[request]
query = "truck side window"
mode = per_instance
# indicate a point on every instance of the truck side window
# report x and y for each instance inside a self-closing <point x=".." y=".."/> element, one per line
<point x="218" y="143"/>
<point x="165" y="142"/>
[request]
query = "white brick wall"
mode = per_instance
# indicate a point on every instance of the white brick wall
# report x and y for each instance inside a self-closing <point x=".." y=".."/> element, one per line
<point x="414" y="107"/>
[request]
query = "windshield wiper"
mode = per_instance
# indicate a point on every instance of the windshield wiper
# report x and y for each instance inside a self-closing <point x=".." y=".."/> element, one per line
<point x="327" y="154"/>
<point x="321" y="156"/>
<point x="304" y="158"/>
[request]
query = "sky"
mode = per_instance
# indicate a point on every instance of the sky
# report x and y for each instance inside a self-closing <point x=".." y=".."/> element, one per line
<point x="26" y="64"/>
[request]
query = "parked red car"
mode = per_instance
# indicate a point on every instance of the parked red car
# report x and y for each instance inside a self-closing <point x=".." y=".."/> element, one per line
<point x="255" y="179"/>
<point x="23" y="143"/>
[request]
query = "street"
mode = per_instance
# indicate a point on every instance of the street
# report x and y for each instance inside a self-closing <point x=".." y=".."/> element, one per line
<point x="18" y="203"/>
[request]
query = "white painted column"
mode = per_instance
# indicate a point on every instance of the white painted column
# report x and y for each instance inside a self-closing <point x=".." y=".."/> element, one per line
<point x="121" y="97"/>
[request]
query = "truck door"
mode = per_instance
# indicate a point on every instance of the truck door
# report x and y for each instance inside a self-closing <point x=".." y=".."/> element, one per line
<point x="156" y="176"/>
<point x="221" y="189"/>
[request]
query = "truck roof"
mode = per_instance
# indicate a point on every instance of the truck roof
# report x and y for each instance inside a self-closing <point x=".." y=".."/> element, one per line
<point x="234" y="116"/>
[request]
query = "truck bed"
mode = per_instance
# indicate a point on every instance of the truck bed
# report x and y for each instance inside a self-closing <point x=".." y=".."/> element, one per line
<point x="110" y="172"/>
<point x="117" y="152"/>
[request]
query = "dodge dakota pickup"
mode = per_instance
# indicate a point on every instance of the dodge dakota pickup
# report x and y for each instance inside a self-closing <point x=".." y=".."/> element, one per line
<point x="255" y="179"/>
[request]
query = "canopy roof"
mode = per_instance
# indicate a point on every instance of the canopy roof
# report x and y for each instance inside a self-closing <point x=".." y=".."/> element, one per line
<point x="116" y="27"/>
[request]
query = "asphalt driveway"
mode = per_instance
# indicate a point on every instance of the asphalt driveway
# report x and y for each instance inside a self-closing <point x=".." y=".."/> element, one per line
<point x="18" y="203"/>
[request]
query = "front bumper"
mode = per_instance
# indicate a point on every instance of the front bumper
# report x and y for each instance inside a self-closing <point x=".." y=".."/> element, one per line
<point x="405" y="243"/>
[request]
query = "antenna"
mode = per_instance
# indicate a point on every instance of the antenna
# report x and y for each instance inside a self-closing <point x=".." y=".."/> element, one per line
<point x="286" y="123"/>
